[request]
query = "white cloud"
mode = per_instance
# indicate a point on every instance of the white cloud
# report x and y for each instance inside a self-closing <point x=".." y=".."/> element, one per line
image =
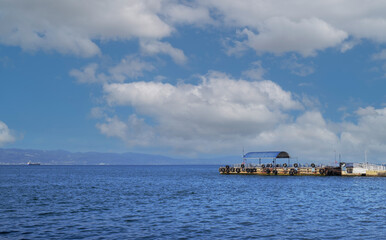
<point x="183" y="14"/>
<point x="71" y="26"/>
<point x="113" y="128"/>
<point x="370" y="26"/>
<point x="279" y="35"/>
<point x="309" y="136"/>
<point x="219" y="109"/>
<point x="129" y="67"/>
<point x="348" y="45"/>
<point x="298" y="68"/>
<point x="98" y="112"/>
<point x="156" y="47"/>
<point x="313" y="138"/>
<point x="134" y="131"/>
<point x="6" y="135"/>
<point x="289" y="24"/>
<point x="256" y="72"/>
<point x="368" y="134"/>
<point x="379" y="56"/>
<point x="216" y="90"/>
<point x="87" y="74"/>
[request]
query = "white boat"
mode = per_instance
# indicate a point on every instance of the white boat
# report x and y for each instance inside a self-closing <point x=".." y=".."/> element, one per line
<point x="32" y="163"/>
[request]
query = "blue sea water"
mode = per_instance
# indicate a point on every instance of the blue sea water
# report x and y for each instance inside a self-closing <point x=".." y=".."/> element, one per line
<point x="185" y="202"/>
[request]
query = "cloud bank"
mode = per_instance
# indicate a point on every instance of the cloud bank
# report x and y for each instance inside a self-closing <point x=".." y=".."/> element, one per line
<point x="218" y="109"/>
<point x="223" y="114"/>
<point x="301" y="26"/>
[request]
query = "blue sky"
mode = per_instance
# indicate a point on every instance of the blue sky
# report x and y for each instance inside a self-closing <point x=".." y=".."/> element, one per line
<point x="194" y="78"/>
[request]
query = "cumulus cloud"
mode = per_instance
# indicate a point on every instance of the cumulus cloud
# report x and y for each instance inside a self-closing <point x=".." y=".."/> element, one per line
<point x="156" y="47"/>
<point x="134" y="131"/>
<point x="368" y="133"/>
<point x="217" y="92"/>
<point x="130" y="67"/>
<point x="6" y="135"/>
<point x="309" y="135"/>
<point x="219" y="108"/>
<point x="279" y="35"/>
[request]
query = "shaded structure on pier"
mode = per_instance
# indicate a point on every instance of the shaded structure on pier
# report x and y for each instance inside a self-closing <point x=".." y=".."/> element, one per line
<point x="266" y="155"/>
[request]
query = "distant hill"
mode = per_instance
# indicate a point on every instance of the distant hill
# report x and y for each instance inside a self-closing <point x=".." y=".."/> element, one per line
<point x="60" y="157"/>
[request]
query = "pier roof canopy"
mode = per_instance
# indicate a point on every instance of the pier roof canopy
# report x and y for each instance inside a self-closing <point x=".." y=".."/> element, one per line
<point x="267" y="155"/>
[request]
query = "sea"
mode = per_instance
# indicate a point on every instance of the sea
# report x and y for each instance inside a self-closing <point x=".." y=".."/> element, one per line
<point x="185" y="202"/>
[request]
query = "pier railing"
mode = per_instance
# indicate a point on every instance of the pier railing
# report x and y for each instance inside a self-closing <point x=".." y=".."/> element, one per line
<point x="368" y="166"/>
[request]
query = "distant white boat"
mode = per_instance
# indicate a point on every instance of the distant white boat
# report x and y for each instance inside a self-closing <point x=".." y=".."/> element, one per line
<point x="32" y="163"/>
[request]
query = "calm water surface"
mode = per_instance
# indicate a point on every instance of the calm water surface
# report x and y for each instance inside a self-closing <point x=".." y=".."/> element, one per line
<point x="172" y="202"/>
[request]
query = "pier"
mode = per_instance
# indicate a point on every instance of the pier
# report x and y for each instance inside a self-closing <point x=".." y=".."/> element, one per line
<point x="281" y="165"/>
<point x="279" y="169"/>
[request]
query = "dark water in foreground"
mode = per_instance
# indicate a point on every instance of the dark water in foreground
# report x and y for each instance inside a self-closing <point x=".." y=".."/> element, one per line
<point x="121" y="202"/>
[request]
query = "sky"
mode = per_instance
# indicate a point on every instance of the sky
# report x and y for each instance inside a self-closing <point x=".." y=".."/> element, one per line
<point x="203" y="78"/>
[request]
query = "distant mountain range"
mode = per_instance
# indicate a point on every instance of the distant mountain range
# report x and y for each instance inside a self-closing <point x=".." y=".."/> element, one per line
<point x="60" y="157"/>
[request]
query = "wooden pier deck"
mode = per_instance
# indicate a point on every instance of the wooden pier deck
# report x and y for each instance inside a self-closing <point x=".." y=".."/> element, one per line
<point x="283" y="171"/>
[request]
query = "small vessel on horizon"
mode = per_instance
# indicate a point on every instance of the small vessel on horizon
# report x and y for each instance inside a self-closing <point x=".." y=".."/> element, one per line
<point x="32" y="163"/>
